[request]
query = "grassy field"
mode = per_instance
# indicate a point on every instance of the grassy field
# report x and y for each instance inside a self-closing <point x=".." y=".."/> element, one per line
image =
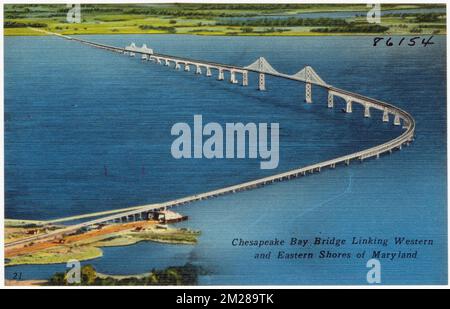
<point x="205" y="19"/>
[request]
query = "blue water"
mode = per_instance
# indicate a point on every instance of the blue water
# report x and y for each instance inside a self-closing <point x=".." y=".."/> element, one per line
<point x="341" y="15"/>
<point x="87" y="130"/>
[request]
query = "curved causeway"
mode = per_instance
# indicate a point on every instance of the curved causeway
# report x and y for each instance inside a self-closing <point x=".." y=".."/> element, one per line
<point x="307" y="75"/>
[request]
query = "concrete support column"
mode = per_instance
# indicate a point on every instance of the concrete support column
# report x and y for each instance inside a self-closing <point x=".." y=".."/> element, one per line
<point x="262" y="82"/>
<point x="198" y="70"/>
<point x="167" y="63"/>
<point x="233" y="77"/>
<point x="308" y="93"/>
<point x="158" y="60"/>
<point x="208" y="71"/>
<point x="220" y="77"/>
<point x="132" y="54"/>
<point x="144" y="57"/>
<point x="348" y="106"/>
<point x="397" y="120"/>
<point x="245" y="78"/>
<point x="347" y="162"/>
<point x="330" y="100"/>
<point x="366" y="111"/>
<point x="385" y="115"/>
<point x="177" y="66"/>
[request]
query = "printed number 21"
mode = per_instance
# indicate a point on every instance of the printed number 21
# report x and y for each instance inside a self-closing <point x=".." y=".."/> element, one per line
<point x="17" y="276"/>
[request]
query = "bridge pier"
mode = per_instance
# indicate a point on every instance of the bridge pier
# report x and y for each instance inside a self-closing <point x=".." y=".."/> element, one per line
<point x="347" y="162"/>
<point x="221" y="76"/>
<point x="308" y="94"/>
<point x="385" y="115"/>
<point x="397" y="120"/>
<point x="208" y="71"/>
<point x="177" y="65"/>
<point x="132" y="54"/>
<point x="233" y="77"/>
<point x="167" y="63"/>
<point x="198" y="70"/>
<point x="144" y="57"/>
<point x="187" y="68"/>
<point x="366" y="111"/>
<point x="158" y="60"/>
<point x="245" y="78"/>
<point x="348" y="105"/>
<point x="262" y="82"/>
<point x="330" y="100"/>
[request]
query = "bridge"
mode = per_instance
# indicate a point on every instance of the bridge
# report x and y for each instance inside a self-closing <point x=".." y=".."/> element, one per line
<point x="261" y="66"/>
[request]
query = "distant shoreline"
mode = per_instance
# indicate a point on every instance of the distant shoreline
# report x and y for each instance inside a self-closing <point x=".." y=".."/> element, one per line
<point x="227" y="20"/>
<point x="308" y="34"/>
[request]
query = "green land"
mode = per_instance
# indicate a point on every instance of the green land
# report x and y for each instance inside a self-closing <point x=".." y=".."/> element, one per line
<point x="174" y="275"/>
<point x="219" y="19"/>
<point x="90" y="247"/>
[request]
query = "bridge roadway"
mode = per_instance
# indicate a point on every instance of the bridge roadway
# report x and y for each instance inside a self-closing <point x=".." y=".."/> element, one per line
<point x="184" y="60"/>
<point x="405" y="138"/>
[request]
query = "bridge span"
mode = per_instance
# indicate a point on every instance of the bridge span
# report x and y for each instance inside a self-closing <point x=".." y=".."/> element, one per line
<point x="307" y="75"/>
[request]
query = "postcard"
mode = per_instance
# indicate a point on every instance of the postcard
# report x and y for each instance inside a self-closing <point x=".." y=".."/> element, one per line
<point x="225" y="144"/>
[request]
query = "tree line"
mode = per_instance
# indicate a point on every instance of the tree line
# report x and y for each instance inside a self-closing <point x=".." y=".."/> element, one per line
<point x="284" y="22"/>
<point x="353" y="28"/>
<point x="176" y="275"/>
<point x="14" y="24"/>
